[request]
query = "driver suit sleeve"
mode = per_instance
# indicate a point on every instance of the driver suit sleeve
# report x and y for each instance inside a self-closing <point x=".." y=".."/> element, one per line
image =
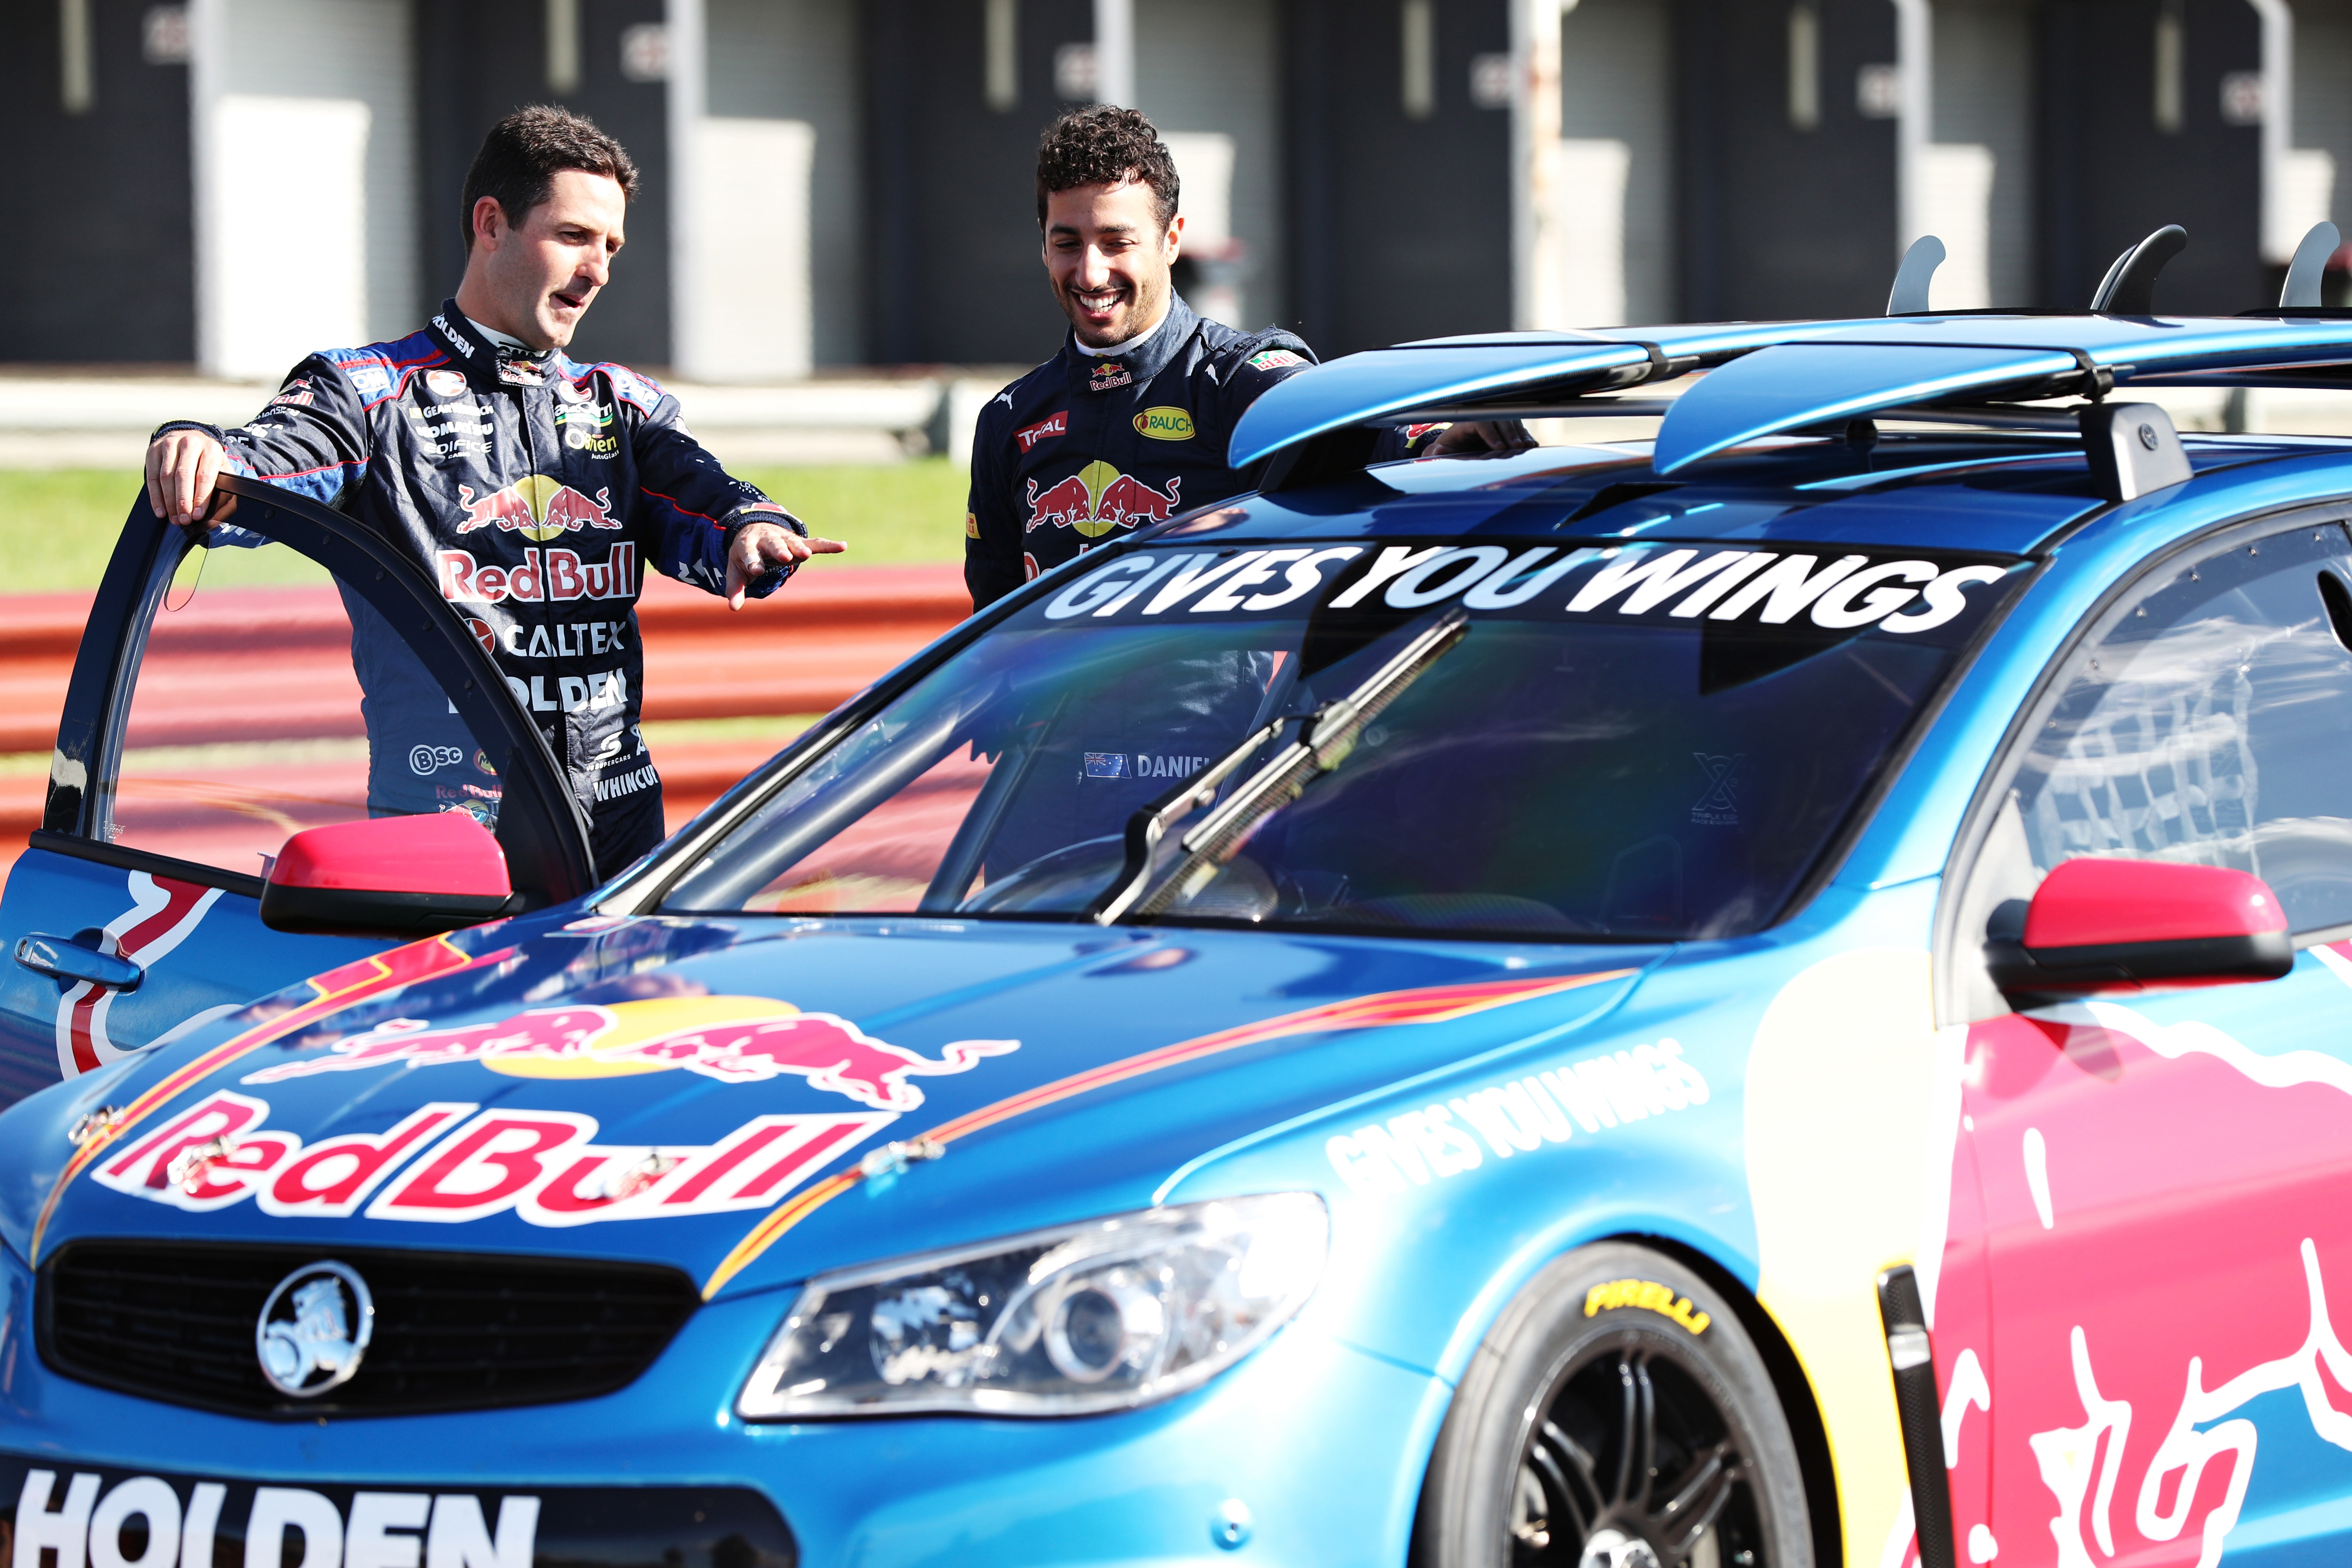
<point x="312" y="438"/>
<point x="992" y="566"/>
<point x="693" y="506"/>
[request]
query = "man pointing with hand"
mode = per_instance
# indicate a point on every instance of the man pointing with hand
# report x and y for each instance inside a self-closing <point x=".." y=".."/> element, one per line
<point x="535" y="488"/>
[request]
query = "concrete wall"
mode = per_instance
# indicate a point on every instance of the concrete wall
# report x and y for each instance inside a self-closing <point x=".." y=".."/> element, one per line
<point x="1400" y="211"/>
<point x="475" y="62"/>
<point x="2111" y="172"/>
<point x="951" y="178"/>
<point x="1981" y="152"/>
<point x="305" y="161"/>
<point x="108" y="274"/>
<point x="1617" y="163"/>
<point x="797" y="61"/>
<point x="1779" y="217"/>
<point x="1215" y="67"/>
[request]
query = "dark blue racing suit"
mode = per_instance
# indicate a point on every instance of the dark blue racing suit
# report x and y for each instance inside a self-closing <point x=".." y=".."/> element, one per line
<point x="1080" y="450"/>
<point x="535" y="491"/>
<point x="1084" y="448"/>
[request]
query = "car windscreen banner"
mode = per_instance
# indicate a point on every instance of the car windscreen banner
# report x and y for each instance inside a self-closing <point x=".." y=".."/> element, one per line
<point x="1782" y="589"/>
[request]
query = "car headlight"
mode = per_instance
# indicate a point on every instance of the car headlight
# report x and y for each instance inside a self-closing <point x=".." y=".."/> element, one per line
<point x="1082" y="1317"/>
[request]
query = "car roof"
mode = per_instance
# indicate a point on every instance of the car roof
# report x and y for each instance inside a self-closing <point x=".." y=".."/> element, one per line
<point x="1959" y="449"/>
<point x="1769" y="377"/>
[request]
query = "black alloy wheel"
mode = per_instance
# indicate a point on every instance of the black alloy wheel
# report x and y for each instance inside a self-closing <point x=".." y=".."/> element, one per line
<point x="1631" y="1466"/>
<point x="1616" y="1416"/>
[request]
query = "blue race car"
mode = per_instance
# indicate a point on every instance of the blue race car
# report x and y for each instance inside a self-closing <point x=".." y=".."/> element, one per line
<point x="1780" y="995"/>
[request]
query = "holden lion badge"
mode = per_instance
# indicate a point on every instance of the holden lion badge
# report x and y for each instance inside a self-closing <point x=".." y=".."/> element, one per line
<point x="314" y="1329"/>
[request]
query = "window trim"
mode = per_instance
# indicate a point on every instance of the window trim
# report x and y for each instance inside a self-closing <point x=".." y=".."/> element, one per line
<point x="128" y="859"/>
<point x="1951" y="959"/>
<point x="540" y="825"/>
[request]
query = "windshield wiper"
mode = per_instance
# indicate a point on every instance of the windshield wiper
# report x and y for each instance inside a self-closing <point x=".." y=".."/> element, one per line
<point x="1326" y="736"/>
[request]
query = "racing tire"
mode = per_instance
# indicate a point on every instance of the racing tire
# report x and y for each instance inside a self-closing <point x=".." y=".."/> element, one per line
<point x="1617" y="1415"/>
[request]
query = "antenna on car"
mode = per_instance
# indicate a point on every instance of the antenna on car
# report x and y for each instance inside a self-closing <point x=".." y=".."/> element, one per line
<point x="2300" y="291"/>
<point x="2129" y="287"/>
<point x="1909" y="295"/>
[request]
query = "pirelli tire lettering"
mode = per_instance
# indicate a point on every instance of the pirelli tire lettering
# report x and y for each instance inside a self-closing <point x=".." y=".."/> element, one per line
<point x="1647" y="1296"/>
<point x="1814" y="588"/>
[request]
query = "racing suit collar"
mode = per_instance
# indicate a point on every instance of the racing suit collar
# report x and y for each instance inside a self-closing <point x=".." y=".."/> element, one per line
<point x="486" y="362"/>
<point x="1139" y="363"/>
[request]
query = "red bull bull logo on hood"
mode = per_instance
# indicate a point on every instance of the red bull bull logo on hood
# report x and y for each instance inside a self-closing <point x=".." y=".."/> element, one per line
<point x="538" y="508"/>
<point x="735" y="1039"/>
<point x="1097" y="499"/>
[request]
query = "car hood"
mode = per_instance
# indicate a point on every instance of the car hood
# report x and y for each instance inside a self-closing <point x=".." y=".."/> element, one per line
<point x="689" y="1091"/>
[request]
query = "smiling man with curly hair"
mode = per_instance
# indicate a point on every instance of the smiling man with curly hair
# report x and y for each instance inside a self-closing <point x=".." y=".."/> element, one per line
<point x="1129" y="422"/>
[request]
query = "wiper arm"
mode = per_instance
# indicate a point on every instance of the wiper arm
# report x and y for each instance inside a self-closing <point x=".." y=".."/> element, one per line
<point x="1327" y="738"/>
<point x="1148" y="828"/>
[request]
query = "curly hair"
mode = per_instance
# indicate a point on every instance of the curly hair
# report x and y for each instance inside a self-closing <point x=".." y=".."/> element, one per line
<point x="1104" y="145"/>
<point x="523" y="154"/>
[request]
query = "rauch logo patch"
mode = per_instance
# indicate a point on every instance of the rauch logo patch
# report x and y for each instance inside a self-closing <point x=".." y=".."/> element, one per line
<point x="1165" y="423"/>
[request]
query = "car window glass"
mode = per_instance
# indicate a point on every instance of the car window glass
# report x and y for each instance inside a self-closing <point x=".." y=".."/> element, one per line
<point x="1576" y="766"/>
<point x="271" y="697"/>
<point x="2207" y="722"/>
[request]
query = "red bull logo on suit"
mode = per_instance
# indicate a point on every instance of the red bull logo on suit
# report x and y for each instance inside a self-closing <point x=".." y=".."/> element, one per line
<point x="1097" y="499"/>
<point x="538" y="508"/>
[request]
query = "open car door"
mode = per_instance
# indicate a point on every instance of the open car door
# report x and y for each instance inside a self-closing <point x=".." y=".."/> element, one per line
<point x="284" y="671"/>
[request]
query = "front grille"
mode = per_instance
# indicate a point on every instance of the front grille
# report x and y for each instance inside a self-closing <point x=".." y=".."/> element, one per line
<point x="174" y="1322"/>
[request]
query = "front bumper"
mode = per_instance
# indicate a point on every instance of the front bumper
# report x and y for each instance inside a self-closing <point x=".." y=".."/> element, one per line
<point x="1322" y="1443"/>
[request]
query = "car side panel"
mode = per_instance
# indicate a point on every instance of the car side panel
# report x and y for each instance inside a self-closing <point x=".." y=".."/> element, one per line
<point x="205" y="950"/>
<point x="1823" y="1152"/>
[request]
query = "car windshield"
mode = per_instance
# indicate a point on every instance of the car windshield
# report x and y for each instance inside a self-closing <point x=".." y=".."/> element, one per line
<point x="1640" y="743"/>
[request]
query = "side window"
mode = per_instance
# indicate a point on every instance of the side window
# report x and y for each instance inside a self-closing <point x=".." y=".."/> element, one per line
<point x="271" y="696"/>
<point x="2207" y="718"/>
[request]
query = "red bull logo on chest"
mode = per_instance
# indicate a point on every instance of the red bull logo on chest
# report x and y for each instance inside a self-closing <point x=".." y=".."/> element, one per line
<point x="538" y="508"/>
<point x="735" y="1039"/>
<point x="1097" y="499"/>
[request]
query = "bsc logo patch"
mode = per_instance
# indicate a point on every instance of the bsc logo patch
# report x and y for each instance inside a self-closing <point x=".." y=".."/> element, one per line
<point x="1165" y="423"/>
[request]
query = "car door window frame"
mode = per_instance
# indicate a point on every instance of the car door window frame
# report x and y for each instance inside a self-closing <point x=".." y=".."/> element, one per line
<point x="1971" y="889"/>
<point x="542" y="828"/>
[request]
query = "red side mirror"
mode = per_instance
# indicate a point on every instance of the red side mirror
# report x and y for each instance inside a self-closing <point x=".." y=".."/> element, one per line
<point x="2101" y="926"/>
<point x="395" y="876"/>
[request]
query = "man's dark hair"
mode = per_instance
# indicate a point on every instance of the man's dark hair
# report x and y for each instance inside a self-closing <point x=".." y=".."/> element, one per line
<point x="1104" y="145"/>
<point x="523" y="154"/>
